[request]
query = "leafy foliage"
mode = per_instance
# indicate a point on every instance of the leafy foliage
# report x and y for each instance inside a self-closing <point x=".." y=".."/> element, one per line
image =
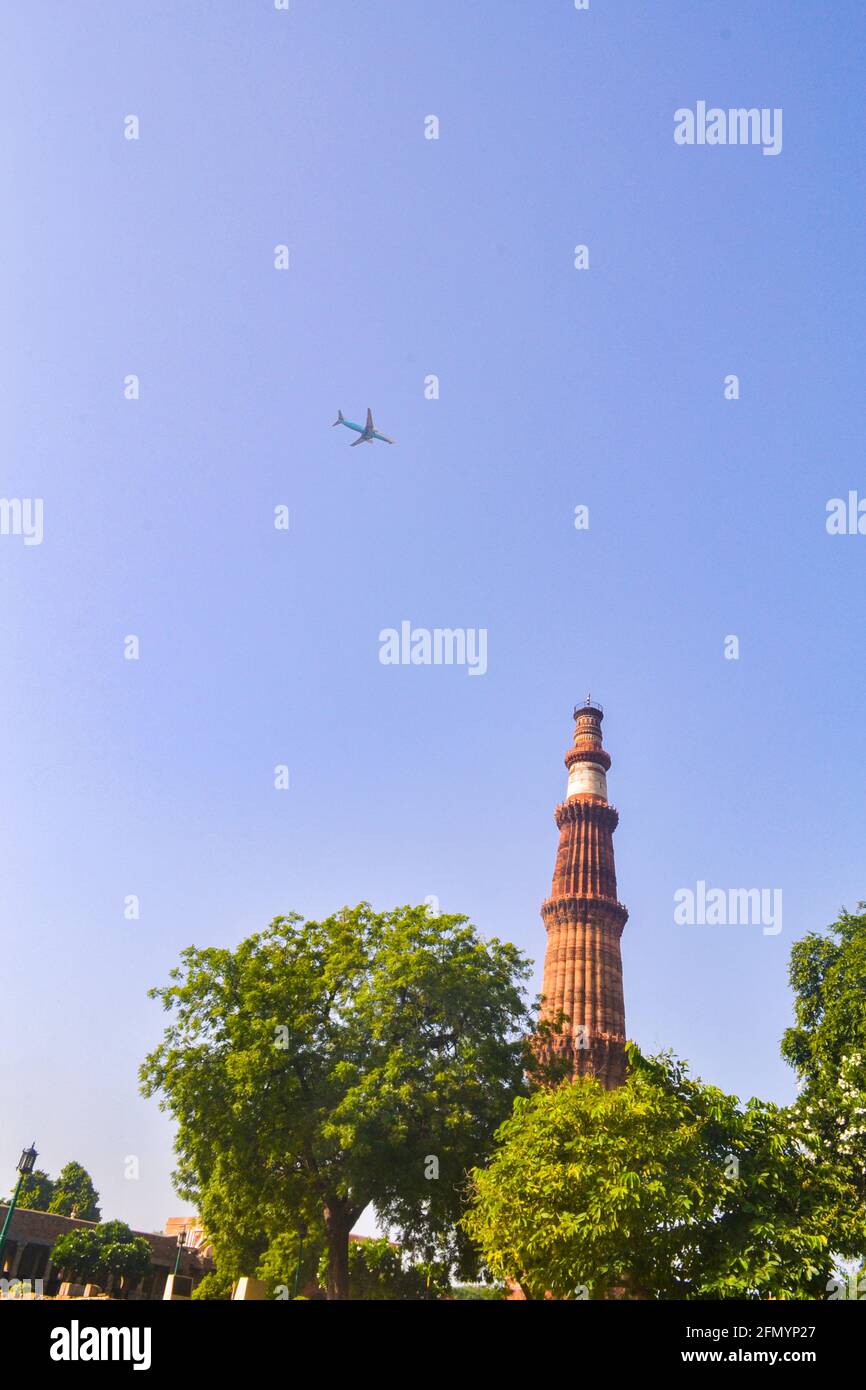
<point x="379" y="1272"/>
<point x="322" y="1066"/>
<point x="74" y="1194"/>
<point x="281" y="1268"/>
<point x="664" y="1187"/>
<point x="478" y="1293"/>
<point x="79" y="1253"/>
<point x="827" y="1045"/>
<point x="36" y="1190"/>
<point x="102" y="1251"/>
<point x="215" y="1286"/>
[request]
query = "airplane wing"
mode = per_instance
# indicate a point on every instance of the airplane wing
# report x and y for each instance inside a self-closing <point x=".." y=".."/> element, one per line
<point x="383" y="437"/>
<point x="355" y="442"/>
<point x="369" y="418"/>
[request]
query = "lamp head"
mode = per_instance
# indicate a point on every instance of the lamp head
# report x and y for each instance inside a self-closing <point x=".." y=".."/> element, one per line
<point x="27" y="1159"/>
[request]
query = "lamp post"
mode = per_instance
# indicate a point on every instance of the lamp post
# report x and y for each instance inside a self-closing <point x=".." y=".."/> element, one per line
<point x="302" y="1231"/>
<point x="25" y="1166"/>
<point x="181" y="1242"/>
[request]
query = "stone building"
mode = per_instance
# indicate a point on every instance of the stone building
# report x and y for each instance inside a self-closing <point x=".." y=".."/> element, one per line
<point x="193" y="1232"/>
<point x="584" y="920"/>
<point x="32" y="1235"/>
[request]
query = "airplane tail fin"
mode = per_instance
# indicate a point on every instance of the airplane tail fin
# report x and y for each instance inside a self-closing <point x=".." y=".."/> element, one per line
<point x="339" y="419"/>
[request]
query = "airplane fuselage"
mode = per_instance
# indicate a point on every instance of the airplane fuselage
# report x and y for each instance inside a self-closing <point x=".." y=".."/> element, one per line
<point x="366" y="432"/>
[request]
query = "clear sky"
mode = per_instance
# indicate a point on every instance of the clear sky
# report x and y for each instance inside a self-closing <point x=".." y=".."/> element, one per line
<point x="558" y="388"/>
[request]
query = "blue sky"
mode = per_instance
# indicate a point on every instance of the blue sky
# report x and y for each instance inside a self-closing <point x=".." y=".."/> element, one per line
<point x="558" y="388"/>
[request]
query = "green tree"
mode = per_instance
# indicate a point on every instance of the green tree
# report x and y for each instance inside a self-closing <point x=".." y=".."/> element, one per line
<point x="665" y="1186"/>
<point x="241" y="1218"/>
<point x="378" y="1272"/>
<point x="78" y="1253"/>
<point x="124" y="1254"/>
<point x="36" y="1192"/>
<point x="322" y="1066"/>
<point x="74" y="1194"/>
<point x="827" y="1044"/>
<point x="98" y="1253"/>
<point x="214" y="1287"/>
<point x="291" y="1262"/>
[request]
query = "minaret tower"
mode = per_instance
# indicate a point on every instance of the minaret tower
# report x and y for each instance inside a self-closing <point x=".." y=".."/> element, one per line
<point x="584" y="921"/>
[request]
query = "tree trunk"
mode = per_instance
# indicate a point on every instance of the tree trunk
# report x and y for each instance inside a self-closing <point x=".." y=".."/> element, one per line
<point x="339" y="1220"/>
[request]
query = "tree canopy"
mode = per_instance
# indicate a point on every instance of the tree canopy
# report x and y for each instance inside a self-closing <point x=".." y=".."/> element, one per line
<point x="665" y="1187"/>
<point x="74" y="1194"/>
<point x="827" y="1043"/>
<point x="36" y="1190"/>
<point x="97" y="1253"/>
<point x="322" y="1066"/>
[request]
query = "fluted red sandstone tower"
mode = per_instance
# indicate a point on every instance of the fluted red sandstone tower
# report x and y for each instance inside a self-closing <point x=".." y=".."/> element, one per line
<point x="583" y="966"/>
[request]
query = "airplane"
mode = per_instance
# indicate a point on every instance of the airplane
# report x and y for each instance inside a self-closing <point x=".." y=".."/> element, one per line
<point x="367" y="432"/>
